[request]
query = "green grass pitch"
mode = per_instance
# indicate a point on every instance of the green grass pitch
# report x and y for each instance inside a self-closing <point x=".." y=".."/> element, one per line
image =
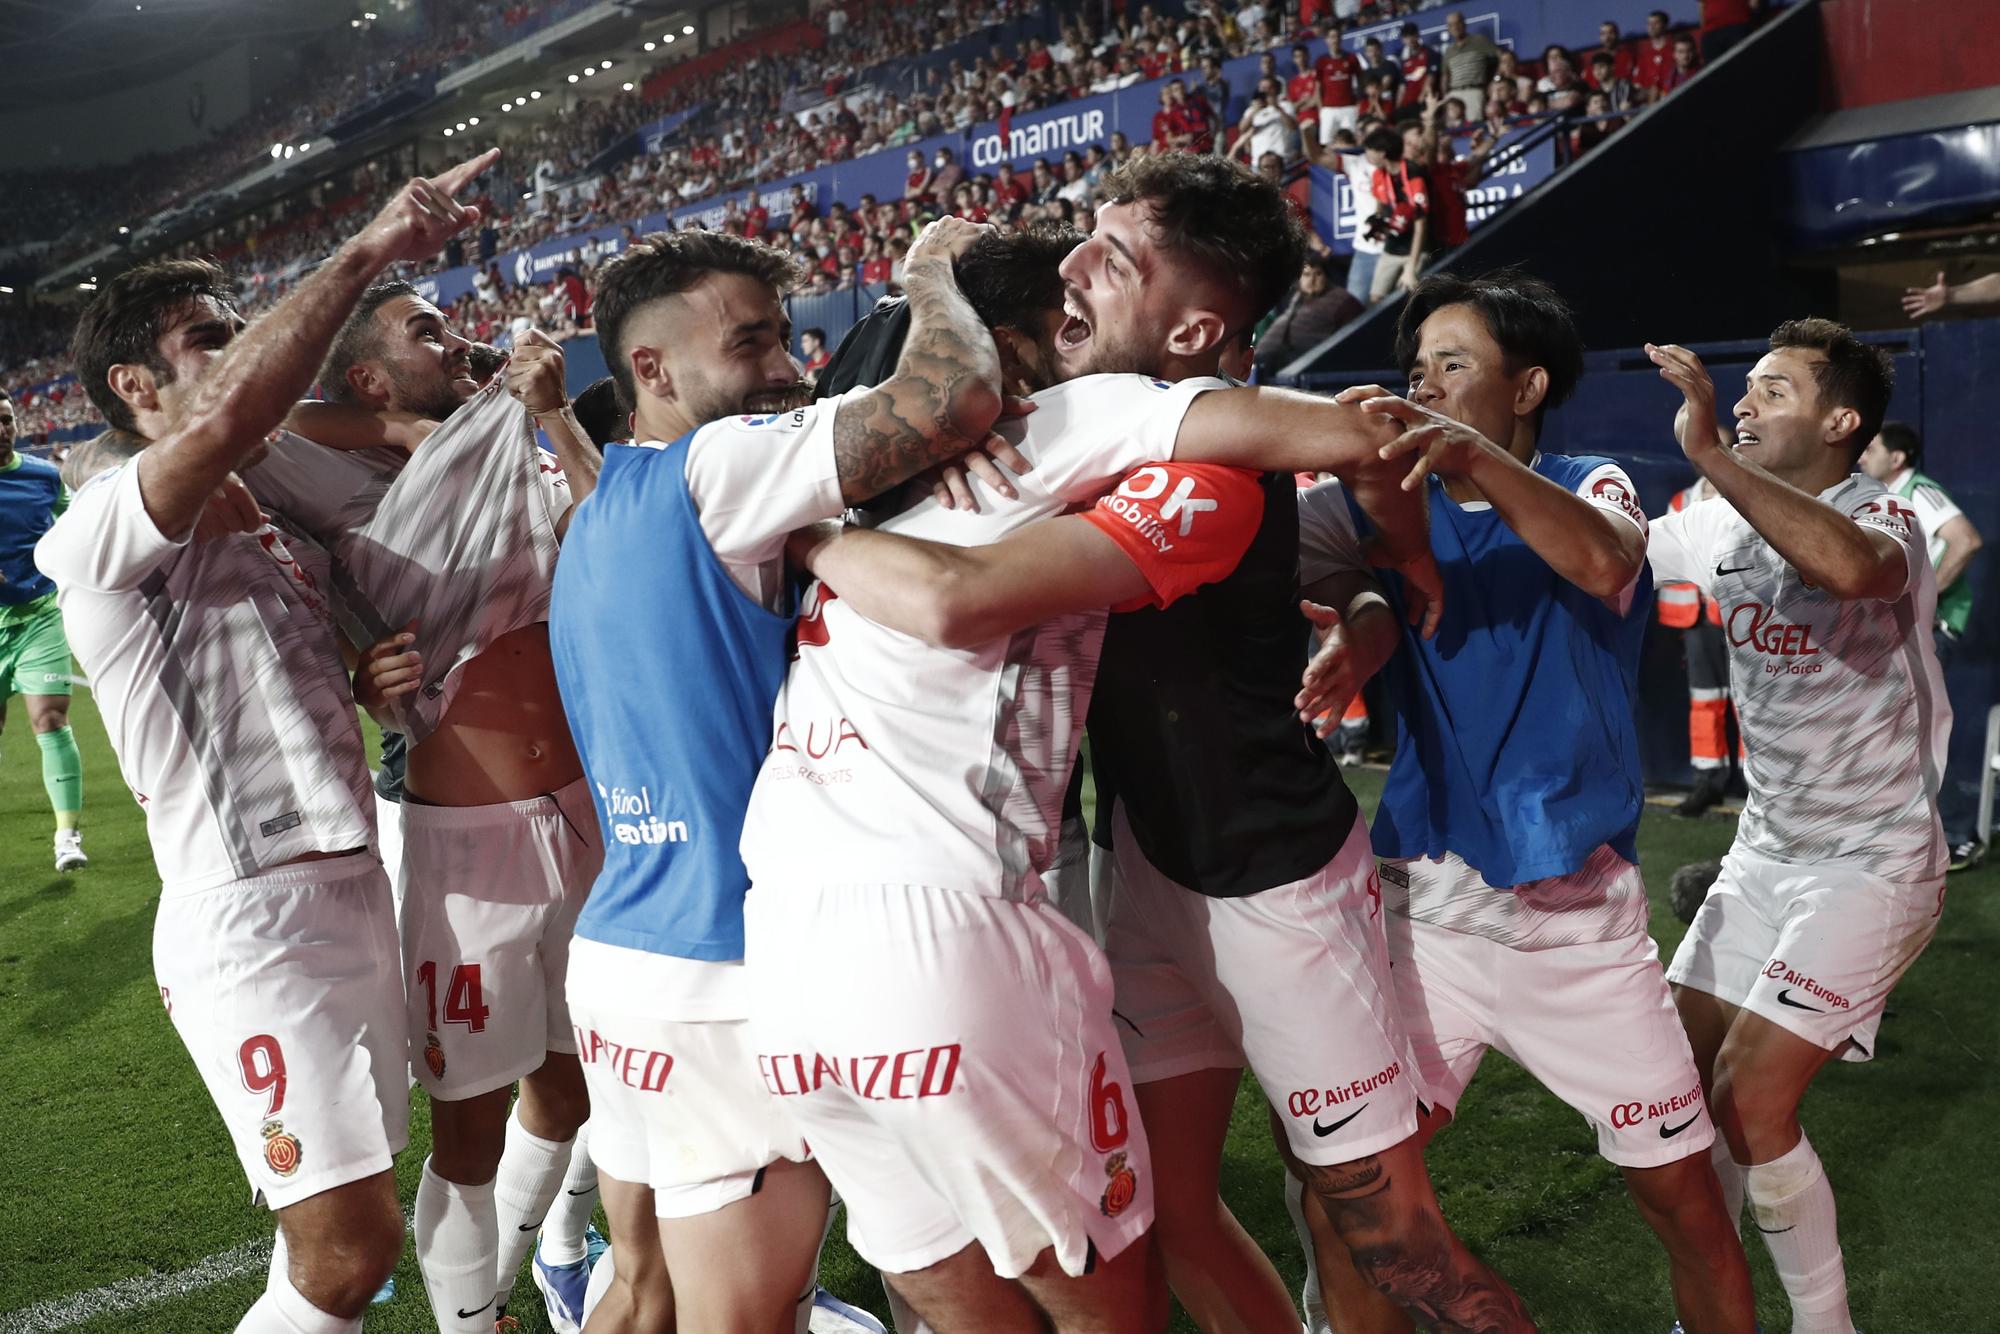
<point x="113" y="1165"/>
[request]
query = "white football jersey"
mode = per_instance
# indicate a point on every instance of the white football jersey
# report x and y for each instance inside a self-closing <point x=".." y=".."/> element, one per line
<point x="893" y="762"/>
<point x="1842" y="706"/>
<point x="459" y="536"/>
<point x="219" y="678"/>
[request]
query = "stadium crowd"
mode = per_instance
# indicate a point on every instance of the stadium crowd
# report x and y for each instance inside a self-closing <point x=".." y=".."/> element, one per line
<point x="764" y="111"/>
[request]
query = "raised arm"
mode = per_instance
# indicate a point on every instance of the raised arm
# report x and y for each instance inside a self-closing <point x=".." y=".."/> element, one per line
<point x="1581" y="542"/>
<point x="1827" y="548"/>
<point x="1922" y="302"/>
<point x="535" y="377"/>
<point x="266" y="369"/>
<point x="1284" y="430"/>
<point x="945" y="394"/>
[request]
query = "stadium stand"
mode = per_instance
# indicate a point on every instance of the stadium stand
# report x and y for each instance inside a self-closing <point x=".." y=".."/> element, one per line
<point x="774" y="113"/>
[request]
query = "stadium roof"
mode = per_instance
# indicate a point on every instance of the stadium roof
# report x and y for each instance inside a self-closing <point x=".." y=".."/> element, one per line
<point x="72" y="50"/>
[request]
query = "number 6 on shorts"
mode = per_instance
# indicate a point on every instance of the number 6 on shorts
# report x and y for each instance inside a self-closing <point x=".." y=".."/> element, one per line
<point x="464" y="1002"/>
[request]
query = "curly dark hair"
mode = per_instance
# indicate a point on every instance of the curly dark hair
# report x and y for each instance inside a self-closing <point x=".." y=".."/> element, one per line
<point x="122" y="325"/>
<point x="1009" y="278"/>
<point x="664" y="264"/>
<point x="1223" y="216"/>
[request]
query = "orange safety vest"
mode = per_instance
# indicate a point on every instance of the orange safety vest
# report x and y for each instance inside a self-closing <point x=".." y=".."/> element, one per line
<point x="1681" y="605"/>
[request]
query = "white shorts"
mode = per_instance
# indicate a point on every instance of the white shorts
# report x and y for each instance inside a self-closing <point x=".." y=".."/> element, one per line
<point x="677" y="1105"/>
<point x="1332" y="119"/>
<point x="1293" y="982"/>
<point x="1592" y="1020"/>
<point x="961" y="1083"/>
<point x="285" y="990"/>
<point x="490" y="897"/>
<point x="1813" y="949"/>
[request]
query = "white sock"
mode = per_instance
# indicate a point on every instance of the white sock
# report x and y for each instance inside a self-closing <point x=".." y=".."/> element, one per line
<point x="457" y="1250"/>
<point x="283" y="1310"/>
<point x="1792" y="1202"/>
<point x="1730" y="1173"/>
<point x="600" y="1281"/>
<point x="563" y="1240"/>
<point x="1315" y="1305"/>
<point x="531" y="1172"/>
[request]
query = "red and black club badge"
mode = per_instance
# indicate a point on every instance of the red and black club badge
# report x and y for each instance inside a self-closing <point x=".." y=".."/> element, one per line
<point x="281" y="1149"/>
<point x="1123" y="1185"/>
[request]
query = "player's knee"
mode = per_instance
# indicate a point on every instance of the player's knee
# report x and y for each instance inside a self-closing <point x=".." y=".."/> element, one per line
<point x="49" y="718"/>
<point x="1748" y="1108"/>
<point x="340" y="1276"/>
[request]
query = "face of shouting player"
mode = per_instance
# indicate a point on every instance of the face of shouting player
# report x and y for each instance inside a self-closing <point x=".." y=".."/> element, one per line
<point x="1461" y="372"/>
<point x="1131" y="306"/>
<point x="1781" y="424"/>
<point x="418" y="363"/>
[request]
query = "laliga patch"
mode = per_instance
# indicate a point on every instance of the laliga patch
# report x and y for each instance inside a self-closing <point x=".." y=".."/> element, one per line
<point x="1122" y="1185"/>
<point x="434" y="1055"/>
<point x="281" y="1150"/>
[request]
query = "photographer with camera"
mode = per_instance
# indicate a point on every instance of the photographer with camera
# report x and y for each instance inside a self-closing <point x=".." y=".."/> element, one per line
<point x="1402" y="206"/>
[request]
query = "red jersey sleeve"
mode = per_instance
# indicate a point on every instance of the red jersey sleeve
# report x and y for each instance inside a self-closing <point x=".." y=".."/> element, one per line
<point x="1182" y="524"/>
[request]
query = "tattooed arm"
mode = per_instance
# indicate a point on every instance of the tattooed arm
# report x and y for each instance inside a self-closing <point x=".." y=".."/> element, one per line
<point x="945" y="394"/>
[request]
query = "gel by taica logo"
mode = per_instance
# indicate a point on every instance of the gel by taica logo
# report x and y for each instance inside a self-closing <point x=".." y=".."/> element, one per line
<point x="629" y="814"/>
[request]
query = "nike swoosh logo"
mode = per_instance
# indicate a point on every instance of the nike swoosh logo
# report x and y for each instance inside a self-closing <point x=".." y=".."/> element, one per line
<point x="587" y="1190"/>
<point x="467" y="1315"/>
<point x="1785" y="998"/>
<point x="527" y="1227"/>
<point x="1668" y="1132"/>
<point x="1732" y="569"/>
<point x="1324" y="1131"/>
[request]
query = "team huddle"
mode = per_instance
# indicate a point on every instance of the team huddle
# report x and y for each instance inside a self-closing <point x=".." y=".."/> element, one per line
<point x="744" y="869"/>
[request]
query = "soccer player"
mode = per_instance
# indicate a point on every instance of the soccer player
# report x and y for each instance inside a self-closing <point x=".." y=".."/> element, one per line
<point x="1835" y="881"/>
<point x="1894" y="458"/>
<point x="1517" y="916"/>
<point x="216" y="668"/>
<point x="450" y="525"/>
<point x="671" y="612"/>
<point x="34" y="656"/>
<point x="1021" y="1183"/>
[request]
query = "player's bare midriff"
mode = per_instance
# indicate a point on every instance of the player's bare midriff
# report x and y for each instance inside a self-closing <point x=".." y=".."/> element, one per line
<point x="505" y="737"/>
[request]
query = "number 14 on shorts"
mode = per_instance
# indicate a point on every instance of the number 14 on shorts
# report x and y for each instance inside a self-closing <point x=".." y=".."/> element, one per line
<point x="464" y="1003"/>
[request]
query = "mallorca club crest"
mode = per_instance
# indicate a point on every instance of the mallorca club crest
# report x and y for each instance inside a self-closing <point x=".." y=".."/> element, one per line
<point x="434" y="1055"/>
<point x="281" y="1149"/>
<point x="1122" y="1185"/>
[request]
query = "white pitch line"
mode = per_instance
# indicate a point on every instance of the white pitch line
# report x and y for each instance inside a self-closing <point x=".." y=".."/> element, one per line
<point x="135" y="1294"/>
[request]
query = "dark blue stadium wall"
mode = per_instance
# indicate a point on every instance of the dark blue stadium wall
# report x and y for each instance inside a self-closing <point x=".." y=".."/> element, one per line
<point x="1623" y="409"/>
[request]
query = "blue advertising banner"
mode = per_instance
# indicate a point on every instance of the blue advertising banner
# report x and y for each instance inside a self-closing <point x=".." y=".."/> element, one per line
<point x="1338" y="207"/>
<point x="1527" y="26"/>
